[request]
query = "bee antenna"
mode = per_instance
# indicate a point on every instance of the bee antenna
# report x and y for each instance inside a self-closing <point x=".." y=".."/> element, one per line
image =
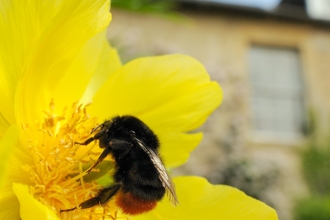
<point x="97" y="127"/>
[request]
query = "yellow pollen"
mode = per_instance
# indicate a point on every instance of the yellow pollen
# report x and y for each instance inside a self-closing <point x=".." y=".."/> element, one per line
<point x="57" y="169"/>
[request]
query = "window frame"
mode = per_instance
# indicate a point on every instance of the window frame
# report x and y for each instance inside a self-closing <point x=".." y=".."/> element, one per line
<point x="272" y="135"/>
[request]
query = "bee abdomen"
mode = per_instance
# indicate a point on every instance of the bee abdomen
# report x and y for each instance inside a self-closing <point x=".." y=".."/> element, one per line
<point x="133" y="205"/>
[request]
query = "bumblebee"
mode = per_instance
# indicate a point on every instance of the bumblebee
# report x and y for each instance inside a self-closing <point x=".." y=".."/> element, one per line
<point x="140" y="178"/>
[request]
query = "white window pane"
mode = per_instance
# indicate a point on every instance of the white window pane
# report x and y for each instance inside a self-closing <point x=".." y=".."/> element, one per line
<point x="277" y="91"/>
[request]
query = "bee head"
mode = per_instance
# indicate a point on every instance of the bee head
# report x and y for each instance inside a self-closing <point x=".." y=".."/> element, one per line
<point x="128" y="127"/>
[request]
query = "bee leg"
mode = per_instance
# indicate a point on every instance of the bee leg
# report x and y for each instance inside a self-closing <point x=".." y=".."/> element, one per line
<point x="85" y="142"/>
<point x="121" y="145"/>
<point x="102" y="197"/>
<point x="67" y="210"/>
<point x="105" y="153"/>
<point x="96" y="137"/>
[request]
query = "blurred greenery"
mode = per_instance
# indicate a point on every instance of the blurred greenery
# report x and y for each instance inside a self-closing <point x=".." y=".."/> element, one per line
<point x="316" y="164"/>
<point x="313" y="208"/>
<point x="316" y="169"/>
<point x="165" y="8"/>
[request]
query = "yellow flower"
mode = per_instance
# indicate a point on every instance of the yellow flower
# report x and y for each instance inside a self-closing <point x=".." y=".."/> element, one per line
<point x="55" y="60"/>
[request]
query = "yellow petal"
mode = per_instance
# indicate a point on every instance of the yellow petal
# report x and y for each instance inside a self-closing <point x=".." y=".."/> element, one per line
<point x="8" y="201"/>
<point x="4" y="125"/>
<point x="176" y="147"/>
<point x="30" y="208"/>
<point x="7" y="145"/>
<point x="171" y="94"/>
<point x="42" y="41"/>
<point x="9" y="206"/>
<point x="108" y="62"/>
<point x="202" y="200"/>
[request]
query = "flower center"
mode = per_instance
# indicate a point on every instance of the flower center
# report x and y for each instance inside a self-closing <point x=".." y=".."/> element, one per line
<point x="57" y="169"/>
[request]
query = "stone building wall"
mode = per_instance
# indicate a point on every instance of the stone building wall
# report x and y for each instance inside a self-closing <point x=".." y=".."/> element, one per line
<point x="229" y="153"/>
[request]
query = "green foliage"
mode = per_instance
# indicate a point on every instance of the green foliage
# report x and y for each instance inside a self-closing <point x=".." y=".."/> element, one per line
<point x="313" y="208"/>
<point x="149" y="6"/>
<point x="316" y="164"/>
<point x="316" y="169"/>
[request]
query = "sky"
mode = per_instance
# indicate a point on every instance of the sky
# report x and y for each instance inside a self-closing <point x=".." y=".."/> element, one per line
<point x="263" y="4"/>
<point x="316" y="9"/>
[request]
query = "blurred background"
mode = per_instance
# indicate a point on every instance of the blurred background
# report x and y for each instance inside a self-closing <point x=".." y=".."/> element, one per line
<point x="270" y="136"/>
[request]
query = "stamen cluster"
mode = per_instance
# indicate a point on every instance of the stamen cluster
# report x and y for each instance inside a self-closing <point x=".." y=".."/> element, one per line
<point x="57" y="169"/>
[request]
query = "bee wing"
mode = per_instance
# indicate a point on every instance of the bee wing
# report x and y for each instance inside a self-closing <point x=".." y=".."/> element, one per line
<point x="163" y="175"/>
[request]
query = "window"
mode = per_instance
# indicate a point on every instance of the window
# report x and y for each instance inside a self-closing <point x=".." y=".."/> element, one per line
<point x="277" y="92"/>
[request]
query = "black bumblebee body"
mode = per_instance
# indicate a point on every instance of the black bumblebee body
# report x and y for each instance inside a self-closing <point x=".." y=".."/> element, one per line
<point x="140" y="178"/>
